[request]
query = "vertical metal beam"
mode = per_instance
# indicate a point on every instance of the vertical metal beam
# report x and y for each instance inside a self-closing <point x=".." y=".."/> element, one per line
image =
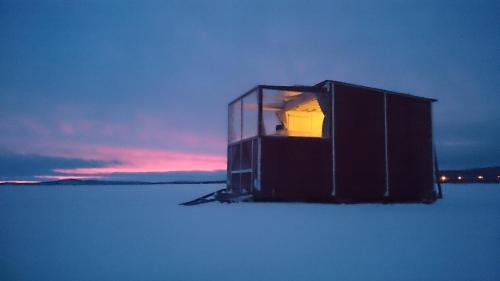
<point x="229" y="152"/>
<point x="260" y="132"/>
<point x="241" y="143"/>
<point x="436" y="174"/>
<point x="251" y="166"/>
<point x="386" y="193"/>
<point x="435" y="166"/>
<point x="331" y="90"/>
<point x="241" y="119"/>
<point x="228" y="166"/>
<point x="259" y="106"/>
<point x="259" y="172"/>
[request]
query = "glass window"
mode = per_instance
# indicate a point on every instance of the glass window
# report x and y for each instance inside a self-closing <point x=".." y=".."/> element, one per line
<point x="250" y="115"/>
<point x="234" y="124"/>
<point x="296" y="114"/>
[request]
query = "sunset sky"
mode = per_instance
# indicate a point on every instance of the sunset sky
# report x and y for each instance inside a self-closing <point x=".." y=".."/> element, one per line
<point x="92" y="88"/>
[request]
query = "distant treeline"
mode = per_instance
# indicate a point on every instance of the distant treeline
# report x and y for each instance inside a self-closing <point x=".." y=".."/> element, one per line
<point x="478" y="175"/>
<point x="104" y="182"/>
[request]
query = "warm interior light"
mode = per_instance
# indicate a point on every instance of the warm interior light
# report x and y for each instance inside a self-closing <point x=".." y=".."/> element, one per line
<point x="306" y="124"/>
<point x="305" y="120"/>
<point x="443" y="178"/>
<point x="295" y="114"/>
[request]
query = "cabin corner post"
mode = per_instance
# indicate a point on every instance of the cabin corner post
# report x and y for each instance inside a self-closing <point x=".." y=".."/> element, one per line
<point x="228" y="123"/>
<point x="435" y="166"/>
<point x="259" y="108"/>
<point x="260" y="133"/>
<point x="331" y="90"/>
<point x="386" y="140"/>
<point x="435" y="178"/>
<point x="228" y="150"/>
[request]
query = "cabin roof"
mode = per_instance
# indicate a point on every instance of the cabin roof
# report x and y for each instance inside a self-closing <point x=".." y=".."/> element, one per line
<point x="319" y="88"/>
<point x="375" y="89"/>
<point x="281" y="88"/>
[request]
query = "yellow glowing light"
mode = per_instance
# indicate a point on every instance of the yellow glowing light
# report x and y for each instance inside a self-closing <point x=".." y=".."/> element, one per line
<point x="444" y="178"/>
<point x="480" y="177"/>
<point x="305" y="124"/>
<point x="305" y="120"/>
<point x="459" y="177"/>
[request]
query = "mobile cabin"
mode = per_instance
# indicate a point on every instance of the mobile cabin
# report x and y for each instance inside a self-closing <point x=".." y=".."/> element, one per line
<point x="331" y="142"/>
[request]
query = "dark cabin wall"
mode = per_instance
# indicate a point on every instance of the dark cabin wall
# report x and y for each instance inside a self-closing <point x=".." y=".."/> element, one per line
<point x="242" y="165"/>
<point x="409" y="148"/>
<point x="359" y="144"/>
<point x="301" y="168"/>
<point x="296" y="169"/>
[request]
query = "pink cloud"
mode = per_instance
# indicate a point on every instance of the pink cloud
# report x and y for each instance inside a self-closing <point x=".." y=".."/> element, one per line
<point x="144" y="130"/>
<point x="67" y="128"/>
<point x="175" y="150"/>
<point x="35" y="126"/>
<point x="151" y="130"/>
<point x="197" y="140"/>
<point x="140" y="160"/>
<point x="65" y="177"/>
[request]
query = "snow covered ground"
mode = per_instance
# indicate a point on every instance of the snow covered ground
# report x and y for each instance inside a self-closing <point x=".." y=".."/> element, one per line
<point x="140" y="233"/>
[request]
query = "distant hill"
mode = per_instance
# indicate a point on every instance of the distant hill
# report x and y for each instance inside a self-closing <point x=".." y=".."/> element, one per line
<point x="476" y="175"/>
<point x="104" y="182"/>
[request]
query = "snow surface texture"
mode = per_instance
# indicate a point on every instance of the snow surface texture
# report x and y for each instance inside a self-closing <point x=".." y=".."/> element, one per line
<point x="140" y="233"/>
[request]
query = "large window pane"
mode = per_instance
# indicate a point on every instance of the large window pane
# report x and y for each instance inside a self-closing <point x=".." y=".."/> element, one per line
<point x="234" y="126"/>
<point x="292" y="113"/>
<point x="272" y="105"/>
<point x="250" y="115"/>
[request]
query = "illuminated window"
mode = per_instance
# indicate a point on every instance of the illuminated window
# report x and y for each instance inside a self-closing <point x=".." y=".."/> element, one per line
<point x="480" y="177"/>
<point x="284" y="113"/>
<point x="296" y="114"/>
<point x="443" y="178"/>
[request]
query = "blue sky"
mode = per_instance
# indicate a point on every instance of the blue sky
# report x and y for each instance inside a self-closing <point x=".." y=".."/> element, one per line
<point x="111" y="84"/>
